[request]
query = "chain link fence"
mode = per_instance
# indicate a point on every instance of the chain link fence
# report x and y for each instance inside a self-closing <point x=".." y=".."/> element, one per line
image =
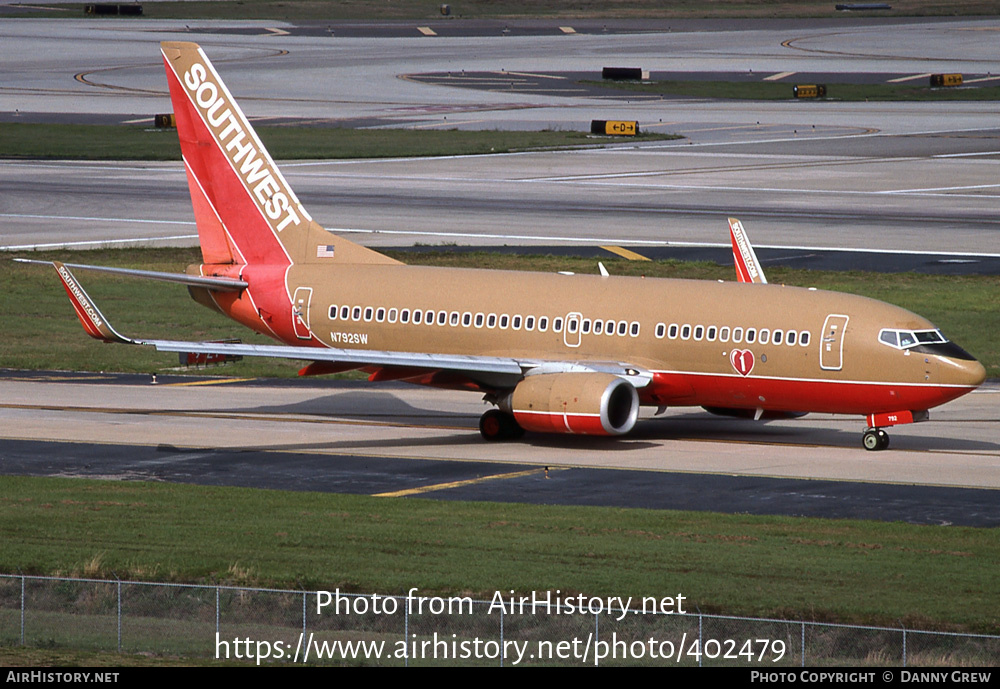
<point x="266" y="626"/>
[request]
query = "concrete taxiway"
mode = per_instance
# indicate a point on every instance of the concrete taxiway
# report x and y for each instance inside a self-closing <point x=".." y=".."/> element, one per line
<point x="874" y="176"/>
<point x="405" y="441"/>
<point x="885" y="176"/>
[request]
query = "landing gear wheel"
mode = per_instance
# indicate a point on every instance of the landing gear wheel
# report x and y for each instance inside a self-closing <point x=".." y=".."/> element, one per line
<point x="883" y="439"/>
<point x="875" y="439"/>
<point x="496" y="426"/>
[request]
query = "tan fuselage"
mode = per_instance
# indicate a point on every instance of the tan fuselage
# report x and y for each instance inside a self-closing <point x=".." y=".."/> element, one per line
<point x="828" y="357"/>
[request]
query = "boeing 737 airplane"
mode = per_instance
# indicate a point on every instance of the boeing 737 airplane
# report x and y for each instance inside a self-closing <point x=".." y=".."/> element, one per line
<point x="554" y="353"/>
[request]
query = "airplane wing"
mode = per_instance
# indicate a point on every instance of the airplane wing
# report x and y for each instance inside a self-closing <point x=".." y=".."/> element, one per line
<point x="747" y="266"/>
<point x="500" y="372"/>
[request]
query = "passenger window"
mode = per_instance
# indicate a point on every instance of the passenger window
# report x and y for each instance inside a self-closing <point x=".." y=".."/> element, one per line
<point x="515" y="323"/>
<point x="404" y="316"/>
<point x="429" y="316"/>
<point x="586" y="326"/>
<point x="466" y="319"/>
<point x="598" y="327"/>
<point x="699" y="332"/>
<point x="504" y="321"/>
<point x="543" y="324"/>
<point x="417" y="316"/>
<point x="491" y="321"/>
<point x="480" y="319"/>
<point x="672" y="331"/>
<point x="776" y="337"/>
<point x="724" y="334"/>
<point x="529" y="323"/>
<point x="712" y="332"/>
<point x="686" y="332"/>
<point x="333" y="313"/>
<point x="442" y="317"/>
<point x="454" y="318"/>
<point x="380" y="314"/>
<point x="356" y="313"/>
<point x="790" y="337"/>
<point x="622" y="327"/>
<point x="392" y="315"/>
<point x="557" y="325"/>
<point x="804" y="338"/>
<point x="661" y="330"/>
<point x="345" y="311"/>
<point x="737" y="334"/>
<point x="751" y="335"/>
<point x="609" y="328"/>
<point x="634" y="329"/>
<point x="369" y="311"/>
<point x="765" y="336"/>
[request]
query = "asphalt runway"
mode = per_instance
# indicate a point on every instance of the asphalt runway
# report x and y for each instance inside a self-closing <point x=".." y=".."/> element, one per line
<point x="908" y="177"/>
<point x="806" y="178"/>
<point x="404" y="441"/>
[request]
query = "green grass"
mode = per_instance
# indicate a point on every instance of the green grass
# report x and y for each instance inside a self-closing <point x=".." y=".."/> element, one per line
<point x="41" y="331"/>
<point x="920" y="576"/>
<point x="130" y="142"/>
<point x="324" y="10"/>
<point x="769" y="90"/>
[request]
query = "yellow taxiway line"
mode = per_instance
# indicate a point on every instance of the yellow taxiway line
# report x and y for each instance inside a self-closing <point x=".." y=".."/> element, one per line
<point x="458" y="484"/>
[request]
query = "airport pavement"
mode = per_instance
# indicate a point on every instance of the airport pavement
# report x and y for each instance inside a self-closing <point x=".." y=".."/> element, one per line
<point x="400" y="441"/>
<point x="810" y="177"/>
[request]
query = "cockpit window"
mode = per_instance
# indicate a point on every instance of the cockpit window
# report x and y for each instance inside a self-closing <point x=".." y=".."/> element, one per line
<point x="904" y="339"/>
<point x="930" y="336"/>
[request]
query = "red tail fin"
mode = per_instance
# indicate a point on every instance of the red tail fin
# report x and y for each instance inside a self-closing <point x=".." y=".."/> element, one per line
<point x="244" y="208"/>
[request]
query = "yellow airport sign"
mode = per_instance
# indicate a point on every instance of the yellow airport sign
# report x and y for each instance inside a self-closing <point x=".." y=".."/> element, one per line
<point x="614" y="127"/>
<point x="809" y="91"/>
<point x="946" y="80"/>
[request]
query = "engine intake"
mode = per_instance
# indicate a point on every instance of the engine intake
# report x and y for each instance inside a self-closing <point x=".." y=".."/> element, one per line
<point x="585" y="403"/>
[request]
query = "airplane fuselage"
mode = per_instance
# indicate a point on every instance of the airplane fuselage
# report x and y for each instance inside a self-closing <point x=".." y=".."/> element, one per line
<point x="713" y="344"/>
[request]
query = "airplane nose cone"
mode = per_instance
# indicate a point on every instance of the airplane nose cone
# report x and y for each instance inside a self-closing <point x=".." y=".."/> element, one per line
<point x="975" y="372"/>
<point x="963" y="371"/>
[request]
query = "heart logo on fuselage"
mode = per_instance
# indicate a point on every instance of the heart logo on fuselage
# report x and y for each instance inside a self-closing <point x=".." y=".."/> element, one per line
<point x="742" y="361"/>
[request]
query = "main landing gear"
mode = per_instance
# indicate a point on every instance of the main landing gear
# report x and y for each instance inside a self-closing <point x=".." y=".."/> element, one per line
<point x="875" y="439"/>
<point x="496" y="425"/>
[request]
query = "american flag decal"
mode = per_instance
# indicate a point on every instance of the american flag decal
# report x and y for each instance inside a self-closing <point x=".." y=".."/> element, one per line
<point x="324" y="251"/>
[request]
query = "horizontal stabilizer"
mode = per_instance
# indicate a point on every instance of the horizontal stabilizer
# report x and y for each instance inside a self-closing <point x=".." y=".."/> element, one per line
<point x="213" y="283"/>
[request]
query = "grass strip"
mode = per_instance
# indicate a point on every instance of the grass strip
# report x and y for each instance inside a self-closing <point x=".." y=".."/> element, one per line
<point x="770" y="90"/>
<point x="130" y="142"/>
<point x="920" y="576"/>
<point x="41" y="331"/>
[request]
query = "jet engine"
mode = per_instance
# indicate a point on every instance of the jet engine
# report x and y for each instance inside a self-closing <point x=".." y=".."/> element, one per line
<point x="589" y="403"/>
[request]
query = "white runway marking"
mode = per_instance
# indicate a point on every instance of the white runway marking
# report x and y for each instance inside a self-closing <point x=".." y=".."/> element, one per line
<point x="914" y="77"/>
<point x="649" y="242"/>
<point x="95" y="243"/>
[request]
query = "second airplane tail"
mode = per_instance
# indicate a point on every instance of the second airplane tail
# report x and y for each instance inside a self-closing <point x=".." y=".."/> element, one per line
<point x="245" y="210"/>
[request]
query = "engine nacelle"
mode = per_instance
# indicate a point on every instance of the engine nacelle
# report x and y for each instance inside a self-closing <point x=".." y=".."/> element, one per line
<point x="585" y="403"/>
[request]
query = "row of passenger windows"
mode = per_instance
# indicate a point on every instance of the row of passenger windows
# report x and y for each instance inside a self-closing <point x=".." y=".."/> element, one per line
<point x="573" y="325"/>
<point x="467" y="319"/>
<point x="724" y="333"/>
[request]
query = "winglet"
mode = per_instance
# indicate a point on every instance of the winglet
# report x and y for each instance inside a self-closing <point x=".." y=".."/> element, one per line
<point x="90" y="316"/>
<point x="747" y="267"/>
